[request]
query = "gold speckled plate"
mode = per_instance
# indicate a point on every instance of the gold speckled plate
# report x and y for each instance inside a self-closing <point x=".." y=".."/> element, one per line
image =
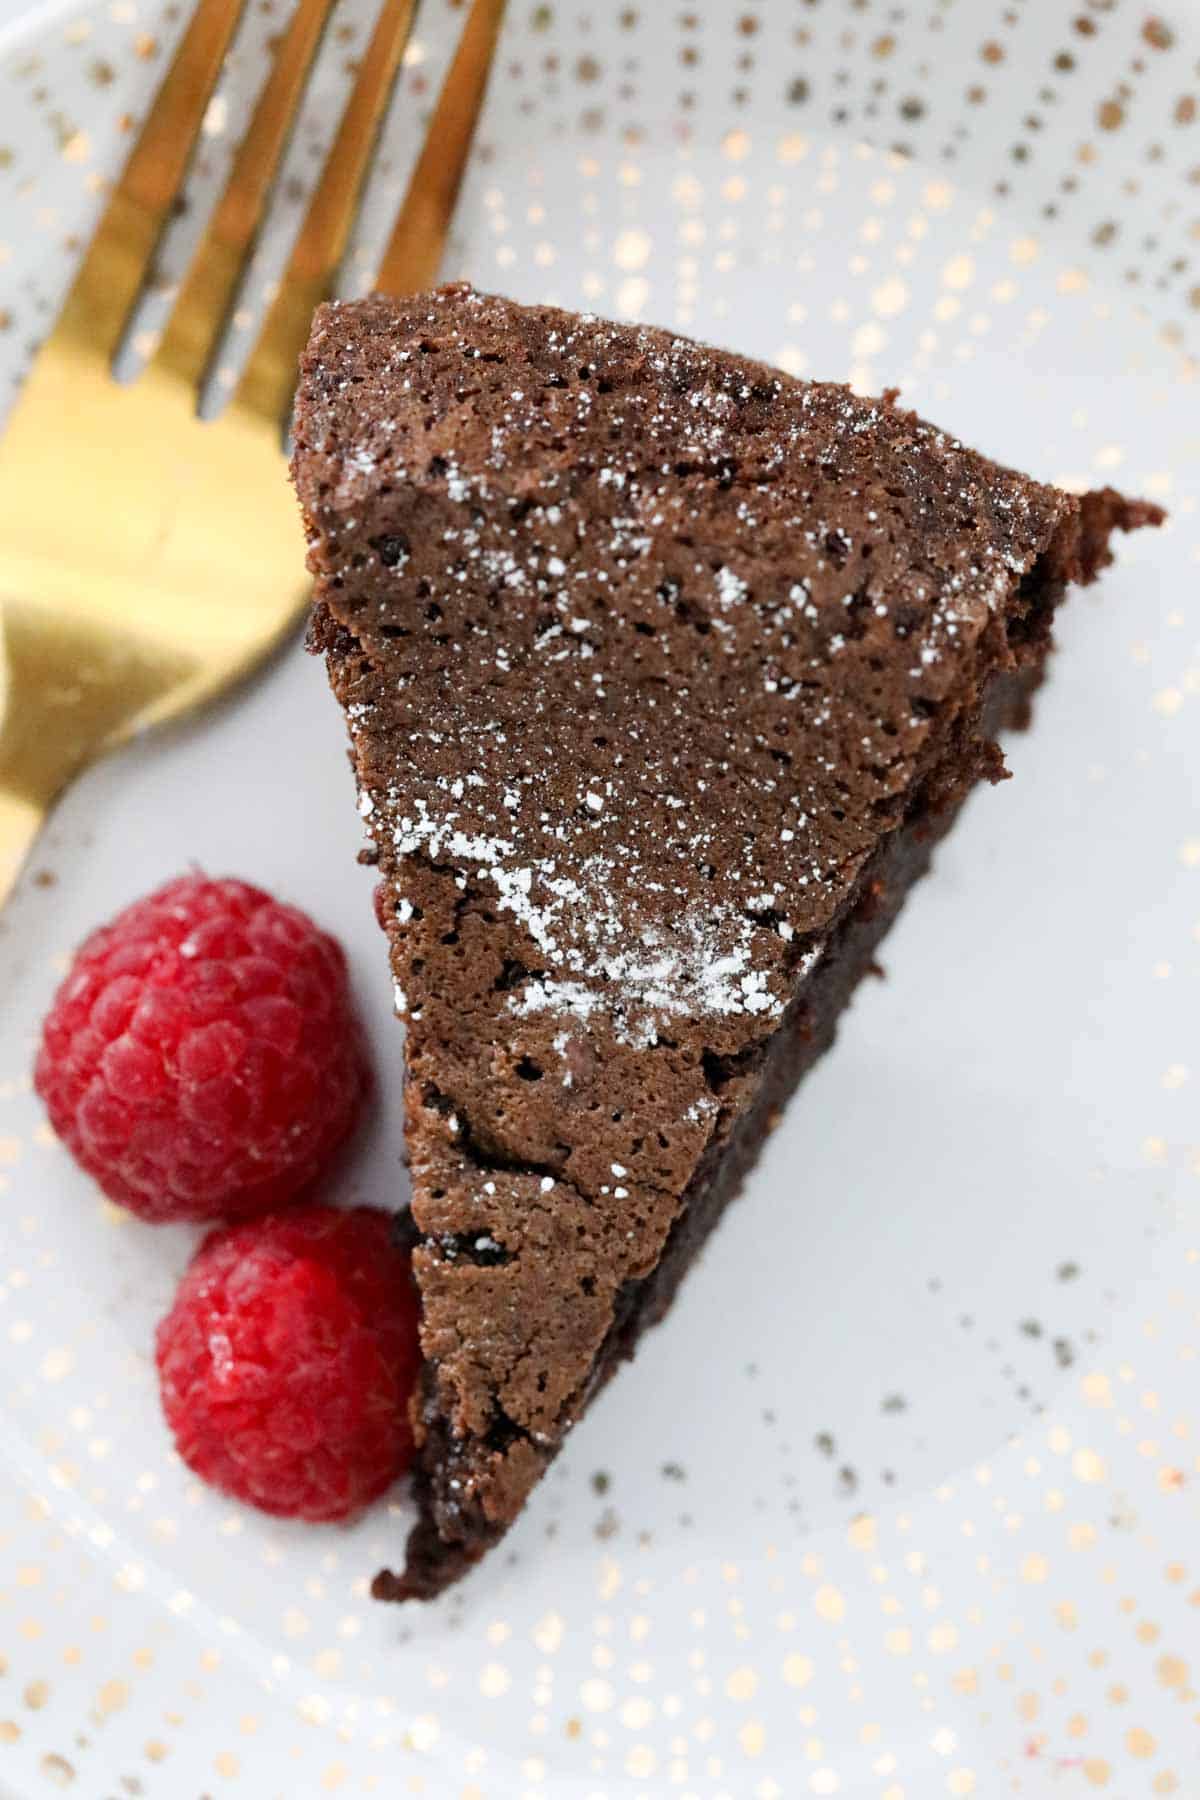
<point x="904" y="1499"/>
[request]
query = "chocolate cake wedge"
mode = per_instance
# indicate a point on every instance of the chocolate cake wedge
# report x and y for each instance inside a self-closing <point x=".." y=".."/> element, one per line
<point x="663" y="673"/>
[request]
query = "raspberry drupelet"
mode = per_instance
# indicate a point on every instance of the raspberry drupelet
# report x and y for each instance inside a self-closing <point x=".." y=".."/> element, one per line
<point x="202" y="1059"/>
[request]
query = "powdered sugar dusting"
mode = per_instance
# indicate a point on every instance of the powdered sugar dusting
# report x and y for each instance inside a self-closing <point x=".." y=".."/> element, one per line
<point x="600" y="959"/>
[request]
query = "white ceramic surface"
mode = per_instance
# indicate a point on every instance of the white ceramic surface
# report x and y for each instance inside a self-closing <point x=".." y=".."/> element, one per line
<point x="904" y="1499"/>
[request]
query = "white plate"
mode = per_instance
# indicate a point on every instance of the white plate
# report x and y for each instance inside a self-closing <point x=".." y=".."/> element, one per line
<point x="903" y="1500"/>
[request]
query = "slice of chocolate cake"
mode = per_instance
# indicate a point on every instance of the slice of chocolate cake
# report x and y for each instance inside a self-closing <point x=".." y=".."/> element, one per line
<point x="663" y="673"/>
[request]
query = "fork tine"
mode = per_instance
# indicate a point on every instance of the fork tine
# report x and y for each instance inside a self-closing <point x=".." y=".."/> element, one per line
<point x="418" y="241"/>
<point x="187" y="317"/>
<point x="146" y="192"/>
<point x="270" y="381"/>
<point x="401" y="141"/>
<point x="248" y="62"/>
<point x="310" y="252"/>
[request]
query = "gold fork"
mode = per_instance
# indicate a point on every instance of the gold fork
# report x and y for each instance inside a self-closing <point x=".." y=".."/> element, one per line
<point x="148" y="560"/>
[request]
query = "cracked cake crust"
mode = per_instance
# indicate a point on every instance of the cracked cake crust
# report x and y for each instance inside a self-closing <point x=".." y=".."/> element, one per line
<point x="663" y="672"/>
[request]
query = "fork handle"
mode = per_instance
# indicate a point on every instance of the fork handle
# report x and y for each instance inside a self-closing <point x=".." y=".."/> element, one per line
<point x="20" y="822"/>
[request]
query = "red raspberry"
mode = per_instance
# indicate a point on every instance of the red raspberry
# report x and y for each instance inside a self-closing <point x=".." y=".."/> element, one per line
<point x="202" y="1059"/>
<point x="287" y="1361"/>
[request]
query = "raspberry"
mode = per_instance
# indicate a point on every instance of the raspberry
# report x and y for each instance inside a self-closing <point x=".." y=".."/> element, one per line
<point x="287" y="1361"/>
<point x="202" y="1060"/>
